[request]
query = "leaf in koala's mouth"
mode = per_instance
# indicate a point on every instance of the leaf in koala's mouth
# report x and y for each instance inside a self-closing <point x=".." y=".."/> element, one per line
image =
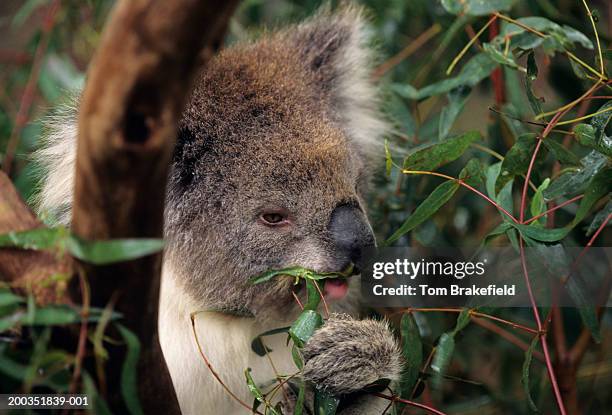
<point x="301" y="273"/>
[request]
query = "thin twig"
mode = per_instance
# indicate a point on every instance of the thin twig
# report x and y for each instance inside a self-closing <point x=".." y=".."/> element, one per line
<point x="411" y="403"/>
<point x="28" y="94"/>
<point x="507" y="335"/>
<point x="469" y="44"/>
<point x="212" y="370"/>
<point x="559" y="206"/>
<point x="412" y="47"/>
<point x="601" y="61"/>
<point x="322" y="298"/>
<point x="80" y="354"/>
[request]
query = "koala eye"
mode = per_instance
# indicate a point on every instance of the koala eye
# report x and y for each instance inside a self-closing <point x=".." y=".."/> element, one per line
<point x="274" y="218"/>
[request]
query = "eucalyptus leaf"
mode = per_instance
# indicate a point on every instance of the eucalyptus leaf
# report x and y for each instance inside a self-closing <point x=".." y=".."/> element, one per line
<point x="532" y="74"/>
<point x="129" y="371"/>
<point x="525" y="374"/>
<point x="325" y="403"/>
<point x="476" y="7"/>
<point x="412" y="351"/>
<point x="457" y="98"/>
<point x="475" y="70"/>
<point x="600" y="217"/>
<point x="434" y="155"/>
<point x="305" y="326"/>
<point x="112" y="251"/>
<point x="576" y="181"/>
<point x="7" y="298"/>
<point x="443" y="356"/>
<point x="516" y="160"/>
<point x="426" y="209"/>
<point x="563" y="155"/>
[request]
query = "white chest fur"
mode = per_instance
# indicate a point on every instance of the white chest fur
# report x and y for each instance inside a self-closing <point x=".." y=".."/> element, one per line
<point x="226" y="342"/>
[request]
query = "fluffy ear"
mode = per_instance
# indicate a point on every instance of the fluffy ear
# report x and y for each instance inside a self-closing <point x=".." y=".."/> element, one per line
<point x="335" y="48"/>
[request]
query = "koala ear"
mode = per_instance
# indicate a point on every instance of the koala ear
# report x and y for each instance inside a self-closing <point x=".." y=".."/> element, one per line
<point x="334" y="47"/>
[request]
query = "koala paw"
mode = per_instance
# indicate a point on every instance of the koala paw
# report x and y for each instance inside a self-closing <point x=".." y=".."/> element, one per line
<point x="346" y="355"/>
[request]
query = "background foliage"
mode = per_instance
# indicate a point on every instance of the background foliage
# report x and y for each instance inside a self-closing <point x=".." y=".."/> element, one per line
<point x="476" y="113"/>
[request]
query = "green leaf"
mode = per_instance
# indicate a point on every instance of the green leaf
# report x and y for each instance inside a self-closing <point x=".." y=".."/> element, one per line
<point x="268" y="275"/>
<point x="587" y="136"/>
<point x="472" y="173"/>
<point x="574" y="182"/>
<point x="11" y="320"/>
<point x="98" y="405"/>
<point x="129" y="370"/>
<point x="516" y="160"/>
<point x="253" y="388"/>
<point x="541" y="234"/>
<point x="558" y="39"/>
<point x="304" y="327"/>
<point x="400" y="113"/>
<point x="598" y="187"/>
<point x="297" y="358"/>
<point x="599" y="218"/>
<point x="257" y="345"/>
<point x="437" y="154"/>
<point x="462" y="320"/>
<point x="563" y="155"/>
<point x="412" y="351"/>
<point x="500" y="57"/>
<point x="425" y="210"/>
<point x="525" y="376"/>
<point x="7" y="298"/>
<point x="36" y="239"/>
<point x="558" y="266"/>
<point x="593" y="135"/>
<point x="314" y="298"/>
<point x="25" y="11"/>
<point x="325" y="403"/>
<point x="538" y="205"/>
<point x="499" y="230"/>
<point x="491" y="174"/>
<point x="475" y="70"/>
<point x="112" y="251"/>
<point x="299" y="272"/>
<point x="532" y="74"/>
<point x="95" y="252"/>
<point x="443" y="356"/>
<point x="299" y="402"/>
<point x="476" y="7"/>
<point x="456" y="101"/>
<point x="504" y="199"/>
<point x="388" y="159"/>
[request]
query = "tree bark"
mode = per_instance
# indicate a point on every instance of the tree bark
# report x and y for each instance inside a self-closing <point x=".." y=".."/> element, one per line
<point x="26" y="269"/>
<point x="137" y="85"/>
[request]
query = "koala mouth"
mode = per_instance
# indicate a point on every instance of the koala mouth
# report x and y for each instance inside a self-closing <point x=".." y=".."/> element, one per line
<point x="336" y="288"/>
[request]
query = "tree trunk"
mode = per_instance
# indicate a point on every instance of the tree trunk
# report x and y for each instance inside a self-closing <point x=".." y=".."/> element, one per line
<point x="137" y="85"/>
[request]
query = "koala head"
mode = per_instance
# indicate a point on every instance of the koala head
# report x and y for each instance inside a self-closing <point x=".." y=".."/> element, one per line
<point x="271" y="164"/>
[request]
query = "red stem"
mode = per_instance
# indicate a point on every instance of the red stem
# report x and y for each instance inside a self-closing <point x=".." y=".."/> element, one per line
<point x="28" y="94"/>
<point x="559" y="206"/>
<point x="411" y="403"/>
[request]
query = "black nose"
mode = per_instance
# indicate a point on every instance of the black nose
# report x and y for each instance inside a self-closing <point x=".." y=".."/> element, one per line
<point x="350" y="232"/>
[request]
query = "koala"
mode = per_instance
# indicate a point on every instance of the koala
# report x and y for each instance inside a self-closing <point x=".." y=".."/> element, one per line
<point x="274" y="151"/>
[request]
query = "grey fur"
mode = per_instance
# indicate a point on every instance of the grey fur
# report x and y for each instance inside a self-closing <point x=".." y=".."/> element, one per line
<point x="346" y="355"/>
